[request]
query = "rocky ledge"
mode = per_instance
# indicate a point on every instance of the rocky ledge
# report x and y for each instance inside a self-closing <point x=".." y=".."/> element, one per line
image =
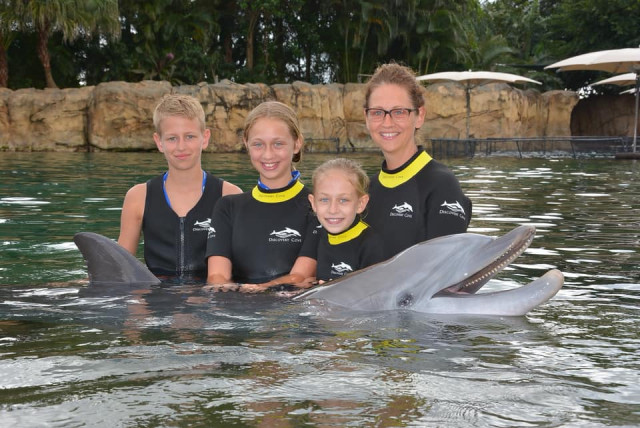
<point x="117" y="116"/>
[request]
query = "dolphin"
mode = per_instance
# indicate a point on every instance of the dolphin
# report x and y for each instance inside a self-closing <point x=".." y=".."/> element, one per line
<point x="439" y="276"/>
<point x="442" y="276"/>
<point x="109" y="263"/>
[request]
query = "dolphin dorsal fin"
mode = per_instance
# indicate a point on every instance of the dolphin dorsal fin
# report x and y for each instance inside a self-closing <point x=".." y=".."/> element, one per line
<point x="109" y="263"/>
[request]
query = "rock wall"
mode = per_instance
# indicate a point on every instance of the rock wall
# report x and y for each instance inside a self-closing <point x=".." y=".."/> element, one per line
<point x="118" y="115"/>
<point x="604" y="115"/>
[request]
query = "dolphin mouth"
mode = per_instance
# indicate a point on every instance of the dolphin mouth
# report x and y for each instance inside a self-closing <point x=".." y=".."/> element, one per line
<point x="476" y="281"/>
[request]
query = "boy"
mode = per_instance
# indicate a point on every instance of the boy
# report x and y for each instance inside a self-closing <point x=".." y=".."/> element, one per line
<point x="173" y="210"/>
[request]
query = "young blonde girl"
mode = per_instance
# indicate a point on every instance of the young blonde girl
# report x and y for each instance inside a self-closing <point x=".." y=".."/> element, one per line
<point x="339" y="197"/>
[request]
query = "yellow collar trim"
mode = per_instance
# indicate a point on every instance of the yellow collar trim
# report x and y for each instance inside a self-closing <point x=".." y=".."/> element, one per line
<point x="390" y="181"/>
<point x="348" y="234"/>
<point x="275" y="197"/>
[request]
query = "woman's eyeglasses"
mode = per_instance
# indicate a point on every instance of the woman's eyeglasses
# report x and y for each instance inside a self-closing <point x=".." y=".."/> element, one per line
<point x="396" y="114"/>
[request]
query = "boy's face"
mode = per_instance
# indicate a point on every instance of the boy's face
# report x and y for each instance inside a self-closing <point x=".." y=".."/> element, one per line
<point x="182" y="141"/>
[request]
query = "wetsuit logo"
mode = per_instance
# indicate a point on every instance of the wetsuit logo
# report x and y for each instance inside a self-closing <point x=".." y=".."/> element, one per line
<point x="340" y="269"/>
<point x="205" y="225"/>
<point x="285" y="235"/>
<point x="453" y="209"/>
<point x="402" y="210"/>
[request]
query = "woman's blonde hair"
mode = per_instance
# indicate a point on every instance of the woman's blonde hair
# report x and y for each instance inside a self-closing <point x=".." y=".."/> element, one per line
<point x="395" y="74"/>
<point x="354" y="171"/>
<point x="275" y="110"/>
<point x="178" y="105"/>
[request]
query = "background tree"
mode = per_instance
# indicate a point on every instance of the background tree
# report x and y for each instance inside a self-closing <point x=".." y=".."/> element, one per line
<point x="72" y="18"/>
<point x="7" y="21"/>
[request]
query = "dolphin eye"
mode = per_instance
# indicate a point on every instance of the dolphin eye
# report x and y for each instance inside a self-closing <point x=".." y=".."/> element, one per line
<point x="405" y="300"/>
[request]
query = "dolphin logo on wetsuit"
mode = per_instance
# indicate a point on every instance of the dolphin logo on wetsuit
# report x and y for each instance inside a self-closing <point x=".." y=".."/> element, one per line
<point x="453" y="207"/>
<point x="342" y="267"/>
<point x="287" y="232"/>
<point x="404" y="208"/>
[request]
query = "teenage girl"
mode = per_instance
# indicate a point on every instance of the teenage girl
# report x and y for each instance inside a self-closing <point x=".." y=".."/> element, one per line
<point x="339" y="197"/>
<point x="268" y="236"/>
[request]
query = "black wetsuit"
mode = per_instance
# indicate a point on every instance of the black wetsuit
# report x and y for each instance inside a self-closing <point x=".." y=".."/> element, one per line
<point x="263" y="232"/>
<point x="355" y="248"/>
<point x="420" y="200"/>
<point x="176" y="245"/>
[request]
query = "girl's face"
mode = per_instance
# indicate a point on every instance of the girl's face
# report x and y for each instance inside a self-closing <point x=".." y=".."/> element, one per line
<point x="393" y="135"/>
<point x="271" y="148"/>
<point x="335" y="201"/>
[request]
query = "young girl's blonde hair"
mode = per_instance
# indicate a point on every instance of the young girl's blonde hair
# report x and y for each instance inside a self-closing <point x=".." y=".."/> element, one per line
<point x="275" y="110"/>
<point x="354" y="171"/>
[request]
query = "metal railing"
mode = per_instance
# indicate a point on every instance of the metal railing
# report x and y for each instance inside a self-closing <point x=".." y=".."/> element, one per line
<point x="531" y="146"/>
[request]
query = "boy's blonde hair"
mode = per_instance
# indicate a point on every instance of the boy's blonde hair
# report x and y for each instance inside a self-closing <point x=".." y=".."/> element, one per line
<point x="354" y="171"/>
<point x="178" y="105"/>
<point x="275" y="110"/>
<point x="395" y="74"/>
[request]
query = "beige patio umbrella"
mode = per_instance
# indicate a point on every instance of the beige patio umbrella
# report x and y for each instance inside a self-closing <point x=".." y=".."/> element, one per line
<point x="612" y="61"/>
<point x="471" y="79"/>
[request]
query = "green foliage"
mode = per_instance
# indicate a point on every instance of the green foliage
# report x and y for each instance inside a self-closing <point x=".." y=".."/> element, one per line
<point x="274" y="41"/>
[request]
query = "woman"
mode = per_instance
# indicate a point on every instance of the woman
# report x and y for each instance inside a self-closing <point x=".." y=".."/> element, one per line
<point x="413" y="198"/>
<point x="268" y="236"/>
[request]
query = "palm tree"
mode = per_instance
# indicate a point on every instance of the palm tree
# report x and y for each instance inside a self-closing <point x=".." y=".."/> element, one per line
<point x="74" y="18"/>
<point x="7" y="20"/>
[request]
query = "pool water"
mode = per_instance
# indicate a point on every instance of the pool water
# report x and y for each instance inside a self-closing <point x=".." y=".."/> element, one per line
<point x="174" y="355"/>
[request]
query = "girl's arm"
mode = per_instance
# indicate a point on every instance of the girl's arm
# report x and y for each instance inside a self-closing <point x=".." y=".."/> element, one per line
<point x="302" y="275"/>
<point x="219" y="274"/>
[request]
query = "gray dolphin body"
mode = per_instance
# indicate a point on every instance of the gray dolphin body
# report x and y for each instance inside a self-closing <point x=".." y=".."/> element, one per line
<point x="439" y="276"/>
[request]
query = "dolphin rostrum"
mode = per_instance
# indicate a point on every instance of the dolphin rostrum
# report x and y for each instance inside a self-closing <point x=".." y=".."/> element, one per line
<point x="439" y="276"/>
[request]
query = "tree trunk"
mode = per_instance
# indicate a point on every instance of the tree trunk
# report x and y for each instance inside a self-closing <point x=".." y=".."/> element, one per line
<point x="43" y="54"/>
<point x="253" y="20"/>
<point x="228" y="49"/>
<point x="4" y="65"/>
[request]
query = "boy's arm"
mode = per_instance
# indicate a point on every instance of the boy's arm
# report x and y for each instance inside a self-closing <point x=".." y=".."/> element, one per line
<point x="230" y="189"/>
<point x="131" y="217"/>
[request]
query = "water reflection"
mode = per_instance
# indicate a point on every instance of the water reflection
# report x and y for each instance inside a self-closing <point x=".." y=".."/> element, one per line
<point x="173" y="355"/>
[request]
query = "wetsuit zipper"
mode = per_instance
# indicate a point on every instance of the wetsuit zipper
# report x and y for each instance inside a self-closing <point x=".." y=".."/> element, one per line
<point x="181" y="249"/>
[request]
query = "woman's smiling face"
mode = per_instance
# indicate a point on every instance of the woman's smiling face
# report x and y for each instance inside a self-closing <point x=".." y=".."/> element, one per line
<point x="393" y="136"/>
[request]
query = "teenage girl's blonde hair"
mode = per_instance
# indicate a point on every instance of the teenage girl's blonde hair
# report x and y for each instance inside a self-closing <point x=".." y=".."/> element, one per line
<point x="178" y="105"/>
<point x="275" y="110"/>
<point x="395" y="74"/>
<point x="354" y="171"/>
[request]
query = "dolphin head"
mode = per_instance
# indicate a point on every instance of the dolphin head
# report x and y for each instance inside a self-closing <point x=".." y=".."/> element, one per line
<point x="434" y="271"/>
